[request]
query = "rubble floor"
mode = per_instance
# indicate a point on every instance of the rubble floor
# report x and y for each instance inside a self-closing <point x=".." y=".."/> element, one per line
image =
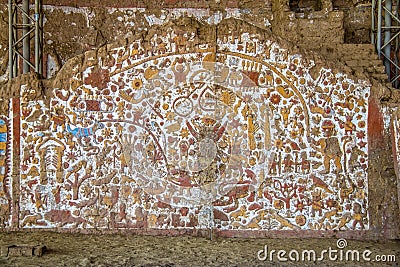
<point x="134" y="250"/>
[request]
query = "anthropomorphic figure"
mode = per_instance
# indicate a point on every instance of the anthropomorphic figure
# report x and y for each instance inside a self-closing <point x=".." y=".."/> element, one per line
<point x="330" y="148"/>
<point x="358" y="216"/>
<point x="348" y="125"/>
<point x="316" y="204"/>
<point x="59" y="119"/>
<point x="180" y="69"/>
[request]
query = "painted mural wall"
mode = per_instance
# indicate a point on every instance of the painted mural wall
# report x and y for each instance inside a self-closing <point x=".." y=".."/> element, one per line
<point x="167" y="135"/>
<point x="5" y="179"/>
<point x="396" y="146"/>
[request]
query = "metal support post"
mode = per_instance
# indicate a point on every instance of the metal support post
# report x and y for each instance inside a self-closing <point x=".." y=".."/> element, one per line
<point x="20" y="34"/>
<point x="379" y="30"/>
<point x="26" y="26"/>
<point x="38" y="17"/>
<point x="387" y="34"/>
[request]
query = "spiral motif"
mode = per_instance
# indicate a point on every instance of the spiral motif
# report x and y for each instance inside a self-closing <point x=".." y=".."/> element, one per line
<point x="341" y="243"/>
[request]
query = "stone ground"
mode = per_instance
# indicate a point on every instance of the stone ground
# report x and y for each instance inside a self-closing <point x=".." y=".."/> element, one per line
<point x="134" y="250"/>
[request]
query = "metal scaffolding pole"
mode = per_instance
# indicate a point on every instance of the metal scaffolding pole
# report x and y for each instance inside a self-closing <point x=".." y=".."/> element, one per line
<point x="10" y="40"/>
<point x="39" y="36"/>
<point x="26" y="47"/>
<point x="21" y="31"/>
<point x="385" y="36"/>
<point x="397" y="47"/>
<point x="379" y="29"/>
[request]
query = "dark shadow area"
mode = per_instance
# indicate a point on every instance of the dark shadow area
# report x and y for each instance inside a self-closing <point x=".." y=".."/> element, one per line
<point x="302" y="6"/>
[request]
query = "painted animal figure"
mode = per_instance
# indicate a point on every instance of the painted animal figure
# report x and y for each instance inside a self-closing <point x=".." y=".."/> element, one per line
<point x="283" y="223"/>
<point x="33" y="220"/>
<point x="346" y="218"/>
<point x="329" y="214"/>
<point x="63" y="217"/>
<point x="240" y="213"/>
<point x="84" y="132"/>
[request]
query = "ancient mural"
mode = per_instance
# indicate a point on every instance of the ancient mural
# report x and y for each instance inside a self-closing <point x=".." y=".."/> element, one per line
<point x="396" y="127"/>
<point x="160" y="135"/>
<point x="396" y="146"/>
<point x="5" y="179"/>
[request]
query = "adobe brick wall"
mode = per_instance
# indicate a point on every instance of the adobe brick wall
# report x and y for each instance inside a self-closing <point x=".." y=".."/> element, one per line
<point x="72" y="175"/>
<point x="91" y="24"/>
<point x="67" y="169"/>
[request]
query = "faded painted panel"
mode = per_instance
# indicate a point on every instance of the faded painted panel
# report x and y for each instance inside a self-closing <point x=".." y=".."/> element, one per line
<point x="396" y="147"/>
<point x="5" y="178"/>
